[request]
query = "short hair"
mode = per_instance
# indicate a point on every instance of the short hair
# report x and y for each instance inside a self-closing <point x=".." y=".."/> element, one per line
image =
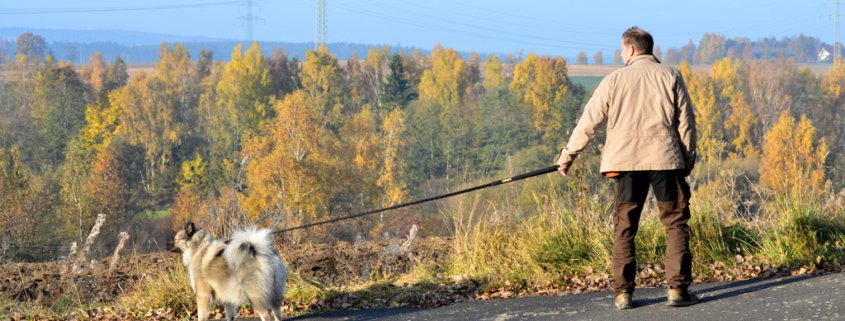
<point x="640" y="39"/>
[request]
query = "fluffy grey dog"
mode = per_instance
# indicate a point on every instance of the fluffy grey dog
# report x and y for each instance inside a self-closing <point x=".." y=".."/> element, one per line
<point x="246" y="268"/>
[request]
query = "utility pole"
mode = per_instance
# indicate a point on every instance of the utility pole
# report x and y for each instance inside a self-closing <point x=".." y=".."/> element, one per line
<point x="837" y="46"/>
<point x="320" y="24"/>
<point x="249" y="19"/>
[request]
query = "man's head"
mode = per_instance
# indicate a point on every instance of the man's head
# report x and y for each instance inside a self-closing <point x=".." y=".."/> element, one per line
<point x="636" y="41"/>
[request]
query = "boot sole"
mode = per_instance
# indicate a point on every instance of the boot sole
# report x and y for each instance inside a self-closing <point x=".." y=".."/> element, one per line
<point x="678" y="304"/>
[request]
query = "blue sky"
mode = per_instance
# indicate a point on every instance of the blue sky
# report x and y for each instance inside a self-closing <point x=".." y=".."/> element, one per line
<point x="545" y="27"/>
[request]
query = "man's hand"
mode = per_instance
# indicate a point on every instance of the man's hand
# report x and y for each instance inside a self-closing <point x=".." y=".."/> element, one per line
<point x="564" y="169"/>
<point x="565" y="162"/>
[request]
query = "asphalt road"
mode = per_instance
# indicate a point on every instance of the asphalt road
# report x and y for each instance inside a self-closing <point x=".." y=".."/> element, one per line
<point x="820" y="297"/>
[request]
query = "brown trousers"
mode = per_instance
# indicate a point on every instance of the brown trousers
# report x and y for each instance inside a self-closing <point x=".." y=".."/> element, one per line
<point x="672" y="193"/>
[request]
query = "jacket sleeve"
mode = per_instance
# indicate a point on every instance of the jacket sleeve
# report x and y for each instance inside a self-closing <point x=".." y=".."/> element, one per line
<point x="685" y="117"/>
<point x="593" y="117"/>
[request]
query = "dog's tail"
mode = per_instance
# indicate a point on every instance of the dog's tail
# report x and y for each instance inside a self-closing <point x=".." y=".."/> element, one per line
<point x="250" y="245"/>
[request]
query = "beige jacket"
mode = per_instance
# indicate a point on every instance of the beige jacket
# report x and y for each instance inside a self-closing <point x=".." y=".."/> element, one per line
<point x="649" y="116"/>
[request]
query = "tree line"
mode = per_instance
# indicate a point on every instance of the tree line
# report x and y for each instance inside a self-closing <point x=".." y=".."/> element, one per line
<point x="713" y="46"/>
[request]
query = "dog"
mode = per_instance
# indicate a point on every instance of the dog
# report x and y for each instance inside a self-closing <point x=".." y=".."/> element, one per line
<point x="246" y="268"/>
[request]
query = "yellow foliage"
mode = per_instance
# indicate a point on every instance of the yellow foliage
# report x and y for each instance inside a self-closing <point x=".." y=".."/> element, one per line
<point x="834" y="83"/>
<point x="708" y="117"/>
<point x="685" y="69"/>
<point x="101" y="125"/>
<point x="287" y="167"/>
<point x="724" y="72"/>
<point x="94" y="73"/>
<point x="446" y="83"/>
<point x="732" y="96"/>
<point x="244" y="90"/>
<point x="321" y="78"/>
<point x="494" y="78"/>
<point x="793" y="161"/>
<point x="192" y="172"/>
<point x="541" y="82"/>
<point x="393" y="140"/>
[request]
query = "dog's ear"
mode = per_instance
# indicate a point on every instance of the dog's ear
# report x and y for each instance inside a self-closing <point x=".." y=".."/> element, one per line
<point x="190" y="229"/>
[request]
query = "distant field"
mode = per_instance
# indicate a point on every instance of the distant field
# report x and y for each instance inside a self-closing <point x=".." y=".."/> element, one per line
<point x="589" y="83"/>
<point x="574" y="71"/>
<point x="603" y="70"/>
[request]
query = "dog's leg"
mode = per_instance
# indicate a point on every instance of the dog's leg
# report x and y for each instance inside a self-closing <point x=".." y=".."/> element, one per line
<point x="203" y="305"/>
<point x="231" y="311"/>
<point x="277" y="314"/>
<point x="263" y="311"/>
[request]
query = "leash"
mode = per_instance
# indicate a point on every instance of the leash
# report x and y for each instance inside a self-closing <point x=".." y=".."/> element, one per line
<point x="434" y="198"/>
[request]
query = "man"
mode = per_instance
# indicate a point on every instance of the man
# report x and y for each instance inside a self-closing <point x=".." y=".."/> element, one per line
<point x="650" y="141"/>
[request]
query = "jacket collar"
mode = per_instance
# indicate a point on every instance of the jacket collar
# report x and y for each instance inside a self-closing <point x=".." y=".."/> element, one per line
<point x="642" y="57"/>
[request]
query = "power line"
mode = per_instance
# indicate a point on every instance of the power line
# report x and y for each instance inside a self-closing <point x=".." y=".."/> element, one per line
<point x="37" y="11"/>
<point x="549" y="25"/>
<point x="508" y="36"/>
<point x="490" y="29"/>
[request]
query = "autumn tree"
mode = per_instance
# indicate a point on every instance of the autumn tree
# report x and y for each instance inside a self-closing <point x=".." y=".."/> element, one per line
<point x="494" y="77"/>
<point x="446" y="83"/>
<point x="793" y="160"/>
<point x="148" y="121"/>
<point x="322" y="80"/>
<point x="358" y="90"/>
<point x="393" y="143"/>
<point x="106" y="190"/>
<point x="830" y="117"/>
<point x="290" y="165"/>
<point x="31" y="47"/>
<point x="443" y="91"/>
<point x="94" y="74"/>
<point x="741" y="124"/>
<point x="375" y="72"/>
<point x="237" y="100"/>
<point x="159" y="115"/>
<point x="708" y="116"/>
<point x="542" y="84"/>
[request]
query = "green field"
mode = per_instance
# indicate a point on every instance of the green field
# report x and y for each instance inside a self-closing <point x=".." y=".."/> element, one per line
<point x="589" y="83"/>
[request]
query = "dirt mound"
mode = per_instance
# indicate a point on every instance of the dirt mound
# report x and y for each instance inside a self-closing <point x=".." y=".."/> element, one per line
<point x="45" y="282"/>
<point x="345" y="263"/>
<point x="323" y="264"/>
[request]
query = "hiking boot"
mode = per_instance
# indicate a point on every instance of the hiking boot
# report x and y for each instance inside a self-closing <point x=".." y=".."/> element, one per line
<point x="680" y="298"/>
<point x="623" y="301"/>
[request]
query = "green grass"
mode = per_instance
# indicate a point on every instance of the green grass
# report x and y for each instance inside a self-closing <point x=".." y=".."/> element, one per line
<point x="168" y="288"/>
